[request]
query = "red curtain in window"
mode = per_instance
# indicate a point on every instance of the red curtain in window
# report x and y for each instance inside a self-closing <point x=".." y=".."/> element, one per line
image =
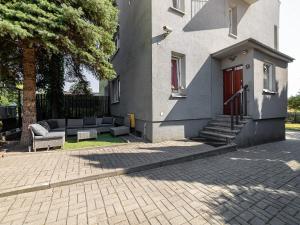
<point x="174" y="75"/>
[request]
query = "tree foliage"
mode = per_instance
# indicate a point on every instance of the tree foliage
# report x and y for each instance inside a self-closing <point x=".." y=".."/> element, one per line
<point x="81" y="87"/>
<point x="294" y="102"/>
<point x="50" y="80"/>
<point x="81" y="28"/>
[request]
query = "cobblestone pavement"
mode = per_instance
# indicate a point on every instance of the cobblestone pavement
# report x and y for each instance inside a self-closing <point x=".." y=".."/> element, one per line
<point x="25" y="170"/>
<point x="258" y="185"/>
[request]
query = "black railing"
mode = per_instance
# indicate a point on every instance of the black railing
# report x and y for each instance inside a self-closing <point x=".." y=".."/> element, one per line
<point x="238" y="106"/>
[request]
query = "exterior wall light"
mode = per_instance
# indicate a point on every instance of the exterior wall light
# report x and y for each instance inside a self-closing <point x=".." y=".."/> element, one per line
<point x="167" y="30"/>
<point x="245" y="52"/>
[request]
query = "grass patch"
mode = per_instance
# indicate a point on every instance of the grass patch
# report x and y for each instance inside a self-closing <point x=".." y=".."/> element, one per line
<point x="103" y="140"/>
<point x="292" y="126"/>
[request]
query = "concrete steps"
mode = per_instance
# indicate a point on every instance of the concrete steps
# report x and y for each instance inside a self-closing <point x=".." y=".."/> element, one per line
<point x="218" y="131"/>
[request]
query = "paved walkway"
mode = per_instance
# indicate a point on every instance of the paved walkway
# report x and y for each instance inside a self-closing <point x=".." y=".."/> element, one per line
<point x="259" y="185"/>
<point x="33" y="170"/>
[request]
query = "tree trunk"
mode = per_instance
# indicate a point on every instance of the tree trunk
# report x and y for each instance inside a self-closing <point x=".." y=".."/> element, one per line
<point x="29" y="91"/>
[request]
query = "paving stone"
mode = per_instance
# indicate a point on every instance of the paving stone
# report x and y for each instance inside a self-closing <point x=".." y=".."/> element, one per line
<point x="250" y="187"/>
<point x="247" y="216"/>
<point x="257" y="221"/>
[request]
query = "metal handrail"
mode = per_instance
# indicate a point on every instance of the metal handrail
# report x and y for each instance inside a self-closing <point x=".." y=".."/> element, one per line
<point x="236" y="94"/>
<point x="233" y="100"/>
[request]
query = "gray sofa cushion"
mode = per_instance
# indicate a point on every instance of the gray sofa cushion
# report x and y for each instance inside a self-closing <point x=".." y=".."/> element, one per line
<point x="99" y="121"/>
<point x="106" y="125"/>
<point x="107" y="120"/>
<point x="90" y="121"/>
<point x="57" y="130"/>
<point x="45" y="125"/>
<point x="91" y="126"/>
<point x="39" y="130"/>
<point x="75" y="123"/>
<point x="53" y="124"/>
<point x="52" y="135"/>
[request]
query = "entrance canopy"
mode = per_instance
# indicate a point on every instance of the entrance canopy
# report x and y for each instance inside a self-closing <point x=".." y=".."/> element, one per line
<point x="251" y="44"/>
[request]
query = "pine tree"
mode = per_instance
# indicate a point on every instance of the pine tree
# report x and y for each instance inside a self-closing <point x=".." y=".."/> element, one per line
<point x="82" y="29"/>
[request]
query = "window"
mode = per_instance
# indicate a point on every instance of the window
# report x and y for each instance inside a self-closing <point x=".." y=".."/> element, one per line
<point x="117" y="39"/>
<point x="197" y="5"/>
<point x="178" y="4"/>
<point x="115" y="91"/>
<point x="276" y="37"/>
<point x="233" y="23"/>
<point x="177" y="73"/>
<point x="269" y="77"/>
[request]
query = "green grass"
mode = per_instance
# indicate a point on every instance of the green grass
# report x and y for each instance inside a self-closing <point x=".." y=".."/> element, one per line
<point x="103" y="140"/>
<point x="293" y="126"/>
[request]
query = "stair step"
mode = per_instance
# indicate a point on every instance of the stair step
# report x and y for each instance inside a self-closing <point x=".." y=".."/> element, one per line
<point x="228" y="120"/>
<point x="216" y="136"/>
<point x="222" y="130"/>
<point x="224" y="124"/>
<point x="229" y="116"/>
<point x="213" y="143"/>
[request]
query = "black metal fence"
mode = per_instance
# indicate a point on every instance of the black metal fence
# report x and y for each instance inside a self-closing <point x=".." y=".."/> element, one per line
<point x="74" y="106"/>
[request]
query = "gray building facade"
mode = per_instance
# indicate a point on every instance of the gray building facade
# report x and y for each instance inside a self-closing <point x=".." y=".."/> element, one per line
<point x="171" y="60"/>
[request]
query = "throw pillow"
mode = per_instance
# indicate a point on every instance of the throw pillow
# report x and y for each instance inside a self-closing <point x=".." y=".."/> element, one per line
<point x="45" y="125"/>
<point x="38" y="130"/>
<point x="53" y="124"/>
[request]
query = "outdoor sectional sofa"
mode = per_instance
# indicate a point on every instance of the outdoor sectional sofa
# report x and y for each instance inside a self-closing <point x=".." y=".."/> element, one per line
<point x="72" y="126"/>
<point x="51" y="133"/>
<point x="43" y="138"/>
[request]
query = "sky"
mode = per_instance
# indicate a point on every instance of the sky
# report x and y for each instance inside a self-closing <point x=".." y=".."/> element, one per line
<point x="289" y="43"/>
<point x="289" y="40"/>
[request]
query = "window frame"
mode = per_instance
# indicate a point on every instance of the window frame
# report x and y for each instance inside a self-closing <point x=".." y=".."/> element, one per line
<point x="178" y="5"/>
<point x="269" y="78"/>
<point x="117" y="39"/>
<point x="233" y="27"/>
<point x="115" y="90"/>
<point x="276" y="37"/>
<point x="180" y="64"/>
<point x="179" y="68"/>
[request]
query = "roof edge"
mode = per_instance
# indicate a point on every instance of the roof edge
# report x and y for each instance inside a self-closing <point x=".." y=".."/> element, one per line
<point x="255" y="44"/>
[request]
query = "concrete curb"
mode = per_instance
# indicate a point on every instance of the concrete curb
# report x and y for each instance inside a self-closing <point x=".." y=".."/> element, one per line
<point x="217" y="151"/>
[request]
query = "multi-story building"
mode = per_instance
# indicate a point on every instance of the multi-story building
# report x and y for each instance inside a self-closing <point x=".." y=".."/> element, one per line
<point x="179" y="61"/>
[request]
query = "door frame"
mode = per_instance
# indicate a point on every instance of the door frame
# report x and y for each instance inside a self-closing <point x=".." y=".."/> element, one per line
<point x="233" y="68"/>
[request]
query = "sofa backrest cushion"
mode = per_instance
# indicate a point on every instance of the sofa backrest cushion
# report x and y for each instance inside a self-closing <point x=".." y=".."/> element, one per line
<point x="89" y="121"/>
<point x="99" y="121"/>
<point x="75" y="123"/>
<point x="38" y="130"/>
<point x="53" y="124"/>
<point x="107" y="120"/>
<point x="61" y="122"/>
<point x="45" y="125"/>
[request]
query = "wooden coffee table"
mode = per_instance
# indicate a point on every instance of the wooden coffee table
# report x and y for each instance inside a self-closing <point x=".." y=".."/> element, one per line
<point x="86" y="134"/>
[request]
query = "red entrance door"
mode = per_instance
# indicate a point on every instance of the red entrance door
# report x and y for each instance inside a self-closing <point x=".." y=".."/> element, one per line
<point x="233" y="82"/>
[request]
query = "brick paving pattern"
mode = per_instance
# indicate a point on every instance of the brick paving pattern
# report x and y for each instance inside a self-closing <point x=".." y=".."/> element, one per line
<point x="25" y="170"/>
<point x="258" y="185"/>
